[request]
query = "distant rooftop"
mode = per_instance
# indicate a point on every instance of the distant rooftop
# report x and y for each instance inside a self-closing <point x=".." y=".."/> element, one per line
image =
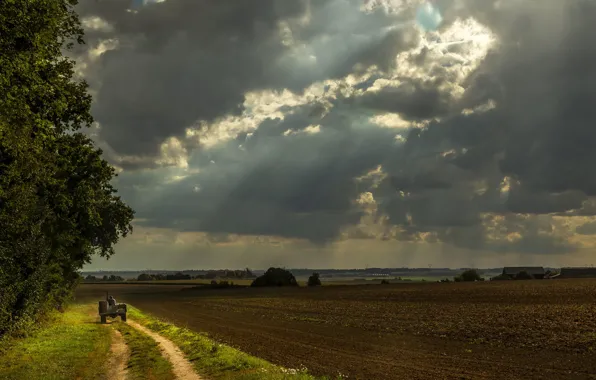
<point x="529" y="270"/>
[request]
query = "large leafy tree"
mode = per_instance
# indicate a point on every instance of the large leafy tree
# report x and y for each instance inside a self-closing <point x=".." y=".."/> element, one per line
<point x="57" y="205"/>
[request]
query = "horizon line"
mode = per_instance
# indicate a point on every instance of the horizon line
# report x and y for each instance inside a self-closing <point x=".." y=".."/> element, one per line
<point x="315" y="269"/>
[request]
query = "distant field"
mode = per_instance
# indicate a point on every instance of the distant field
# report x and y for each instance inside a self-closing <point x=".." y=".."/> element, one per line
<point x="301" y="280"/>
<point x="510" y="329"/>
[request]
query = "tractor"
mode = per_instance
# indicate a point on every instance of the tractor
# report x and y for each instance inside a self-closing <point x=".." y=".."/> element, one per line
<point x="106" y="310"/>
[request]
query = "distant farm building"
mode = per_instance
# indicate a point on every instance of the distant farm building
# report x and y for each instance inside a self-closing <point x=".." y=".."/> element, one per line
<point x="536" y="272"/>
<point x="582" y="272"/>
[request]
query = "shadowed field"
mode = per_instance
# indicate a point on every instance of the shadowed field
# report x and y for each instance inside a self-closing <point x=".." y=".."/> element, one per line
<point x="514" y="330"/>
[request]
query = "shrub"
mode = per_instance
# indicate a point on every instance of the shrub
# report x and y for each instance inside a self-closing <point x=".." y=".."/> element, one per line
<point x="314" y="280"/>
<point x="275" y="277"/>
<point x="384" y="282"/>
<point x="469" y="275"/>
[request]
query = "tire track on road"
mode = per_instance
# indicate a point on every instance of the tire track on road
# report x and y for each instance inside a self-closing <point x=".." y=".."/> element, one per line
<point x="119" y="355"/>
<point x="182" y="368"/>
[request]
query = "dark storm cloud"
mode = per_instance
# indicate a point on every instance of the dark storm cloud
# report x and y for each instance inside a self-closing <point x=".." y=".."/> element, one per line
<point x="514" y="233"/>
<point x="413" y="100"/>
<point x="587" y="229"/>
<point x="520" y="201"/>
<point x="540" y="134"/>
<point x="293" y="186"/>
<point x="545" y="98"/>
<point x="181" y="61"/>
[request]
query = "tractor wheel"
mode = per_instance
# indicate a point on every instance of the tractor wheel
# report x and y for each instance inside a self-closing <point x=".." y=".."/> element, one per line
<point x="123" y="317"/>
<point x="103" y="319"/>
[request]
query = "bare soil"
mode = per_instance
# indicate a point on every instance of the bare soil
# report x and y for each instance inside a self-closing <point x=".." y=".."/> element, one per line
<point x="510" y="329"/>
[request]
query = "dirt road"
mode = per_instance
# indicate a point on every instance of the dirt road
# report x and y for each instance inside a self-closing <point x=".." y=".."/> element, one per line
<point x="181" y="367"/>
<point x="118" y="360"/>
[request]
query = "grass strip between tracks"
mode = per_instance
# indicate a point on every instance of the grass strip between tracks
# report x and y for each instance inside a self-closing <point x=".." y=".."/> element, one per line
<point x="214" y="360"/>
<point x="146" y="361"/>
<point x="70" y="346"/>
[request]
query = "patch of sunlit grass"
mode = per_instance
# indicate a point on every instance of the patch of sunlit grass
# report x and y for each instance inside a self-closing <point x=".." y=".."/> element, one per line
<point x="218" y="361"/>
<point x="72" y="346"/>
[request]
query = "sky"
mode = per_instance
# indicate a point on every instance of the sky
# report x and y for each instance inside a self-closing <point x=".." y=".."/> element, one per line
<point x="346" y="133"/>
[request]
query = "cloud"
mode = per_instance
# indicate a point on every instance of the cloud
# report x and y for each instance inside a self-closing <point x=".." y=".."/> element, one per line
<point x="290" y="185"/>
<point x="412" y="100"/>
<point x="587" y="229"/>
<point x="184" y="61"/>
<point x="273" y="118"/>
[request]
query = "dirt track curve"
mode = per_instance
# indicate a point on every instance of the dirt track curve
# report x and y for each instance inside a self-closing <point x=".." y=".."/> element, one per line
<point x="181" y="367"/>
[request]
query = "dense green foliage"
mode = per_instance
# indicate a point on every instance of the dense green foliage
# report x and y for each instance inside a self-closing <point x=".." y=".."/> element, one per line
<point x="469" y="275"/>
<point x="275" y="277"/>
<point x="57" y="207"/>
<point x="314" y="280"/>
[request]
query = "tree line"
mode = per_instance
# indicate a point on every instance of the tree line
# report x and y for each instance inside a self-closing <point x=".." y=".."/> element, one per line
<point x="57" y="205"/>
<point x="209" y="275"/>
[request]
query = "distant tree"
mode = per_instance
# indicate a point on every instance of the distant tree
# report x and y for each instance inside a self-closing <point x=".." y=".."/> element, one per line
<point x="314" y="280"/>
<point x="385" y="282"/>
<point x="469" y="275"/>
<point x="275" y="277"/>
<point x="144" y="277"/>
<point x="90" y="278"/>
<point x="177" y="276"/>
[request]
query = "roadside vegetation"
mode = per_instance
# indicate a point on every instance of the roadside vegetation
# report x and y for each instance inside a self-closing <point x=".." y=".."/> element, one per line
<point x="58" y="207"/>
<point x="67" y="347"/>
<point x="146" y="361"/>
<point x="214" y="360"/>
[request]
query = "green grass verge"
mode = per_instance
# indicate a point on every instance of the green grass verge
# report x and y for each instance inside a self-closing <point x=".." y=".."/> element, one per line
<point x="146" y="361"/>
<point x="71" y="346"/>
<point x="217" y="361"/>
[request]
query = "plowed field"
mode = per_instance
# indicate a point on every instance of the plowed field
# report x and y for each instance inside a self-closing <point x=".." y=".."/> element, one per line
<point x="505" y="330"/>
